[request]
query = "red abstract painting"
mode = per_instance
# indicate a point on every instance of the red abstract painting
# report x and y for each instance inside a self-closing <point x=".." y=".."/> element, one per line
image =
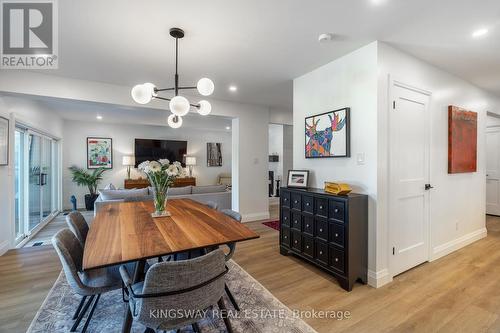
<point x="462" y="140"/>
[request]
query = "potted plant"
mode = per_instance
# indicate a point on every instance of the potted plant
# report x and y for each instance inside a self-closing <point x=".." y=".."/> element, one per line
<point x="90" y="179"/>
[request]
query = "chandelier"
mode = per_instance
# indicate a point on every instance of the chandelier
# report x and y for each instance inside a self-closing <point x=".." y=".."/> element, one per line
<point x="179" y="105"/>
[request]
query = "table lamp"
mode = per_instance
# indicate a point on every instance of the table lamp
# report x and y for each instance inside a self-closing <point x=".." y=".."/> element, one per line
<point x="190" y="162"/>
<point x="128" y="161"/>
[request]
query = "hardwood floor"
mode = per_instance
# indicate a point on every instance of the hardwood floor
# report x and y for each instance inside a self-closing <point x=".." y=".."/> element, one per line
<point x="457" y="293"/>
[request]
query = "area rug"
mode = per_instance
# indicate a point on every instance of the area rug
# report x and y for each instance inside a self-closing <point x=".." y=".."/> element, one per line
<point x="260" y="311"/>
<point x="273" y="224"/>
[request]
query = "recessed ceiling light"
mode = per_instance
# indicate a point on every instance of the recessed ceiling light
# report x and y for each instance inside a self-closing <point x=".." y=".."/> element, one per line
<point x="323" y="38"/>
<point x="99" y="117"/>
<point x="378" y="2"/>
<point x="228" y="128"/>
<point x="480" y="33"/>
<point x="233" y="88"/>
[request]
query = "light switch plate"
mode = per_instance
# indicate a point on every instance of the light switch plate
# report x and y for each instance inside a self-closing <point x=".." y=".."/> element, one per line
<point x="360" y="158"/>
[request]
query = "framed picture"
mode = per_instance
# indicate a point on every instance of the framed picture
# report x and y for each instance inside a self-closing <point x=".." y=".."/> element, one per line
<point x="328" y="134"/>
<point x="462" y="140"/>
<point x="298" y="178"/>
<point x="214" y="154"/>
<point x="99" y="153"/>
<point x="4" y="141"/>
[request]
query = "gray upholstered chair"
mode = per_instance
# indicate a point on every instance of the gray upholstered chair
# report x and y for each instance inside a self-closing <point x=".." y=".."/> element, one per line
<point x="212" y="204"/>
<point x="77" y="224"/>
<point x="232" y="248"/>
<point x="138" y="199"/>
<point x="189" y="285"/>
<point x="91" y="283"/>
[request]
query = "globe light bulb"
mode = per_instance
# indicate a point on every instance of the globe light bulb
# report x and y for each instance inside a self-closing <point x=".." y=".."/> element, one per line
<point x="143" y="93"/>
<point x="205" y="108"/>
<point x="179" y="106"/>
<point x="205" y="87"/>
<point x="174" y="121"/>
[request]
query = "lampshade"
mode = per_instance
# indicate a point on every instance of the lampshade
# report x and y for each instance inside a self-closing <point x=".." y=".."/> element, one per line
<point x="128" y="160"/>
<point x="205" y="87"/>
<point x="179" y="106"/>
<point x="190" y="160"/>
<point x="143" y="93"/>
<point x="174" y="121"/>
<point x="205" y="108"/>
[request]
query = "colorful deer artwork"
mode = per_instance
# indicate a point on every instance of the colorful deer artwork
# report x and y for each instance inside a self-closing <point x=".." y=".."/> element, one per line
<point x="319" y="143"/>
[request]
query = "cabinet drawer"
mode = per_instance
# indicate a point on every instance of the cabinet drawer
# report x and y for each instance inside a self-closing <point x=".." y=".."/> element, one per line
<point x="296" y="240"/>
<point x="321" y="207"/>
<point x="308" y="246"/>
<point x="337" y="210"/>
<point x="285" y="199"/>
<point x="337" y="259"/>
<point x="285" y="217"/>
<point x="296" y="201"/>
<point x="337" y="234"/>
<point x="308" y="204"/>
<point x="321" y="252"/>
<point x="321" y="229"/>
<point x="285" y="236"/>
<point x="297" y="221"/>
<point x="308" y="224"/>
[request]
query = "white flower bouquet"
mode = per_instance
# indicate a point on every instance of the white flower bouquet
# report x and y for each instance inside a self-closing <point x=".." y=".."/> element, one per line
<point x="161" y="175"/>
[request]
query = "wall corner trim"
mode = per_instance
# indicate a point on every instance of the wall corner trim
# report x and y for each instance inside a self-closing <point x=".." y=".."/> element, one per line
<point x="4" y="247"/>
<point x="380" y="278"/>
<point x="456" y="244"/>
<point x="255" y="216"/>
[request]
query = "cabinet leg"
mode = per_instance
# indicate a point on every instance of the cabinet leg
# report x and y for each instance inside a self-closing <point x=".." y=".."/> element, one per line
<point x="346" y="284"/>
<point x="283" y="251"/>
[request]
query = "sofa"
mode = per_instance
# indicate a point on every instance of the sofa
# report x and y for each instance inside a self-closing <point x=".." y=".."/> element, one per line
<point x="215" y="193"/>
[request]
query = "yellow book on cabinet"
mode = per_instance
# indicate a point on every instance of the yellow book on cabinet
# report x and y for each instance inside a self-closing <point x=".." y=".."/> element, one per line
<point x="337" y="188"/>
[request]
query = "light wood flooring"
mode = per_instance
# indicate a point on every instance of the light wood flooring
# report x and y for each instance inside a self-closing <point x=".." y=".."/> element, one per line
<point x="457" y="293"/>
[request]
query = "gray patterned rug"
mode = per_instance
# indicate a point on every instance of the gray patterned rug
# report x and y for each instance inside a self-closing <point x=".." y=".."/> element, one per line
<point x="260" y="311"/>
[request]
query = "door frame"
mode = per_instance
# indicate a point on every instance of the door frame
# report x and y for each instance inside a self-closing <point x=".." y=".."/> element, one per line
<point x="393" y="83"/>
<point x="490" y="129"/>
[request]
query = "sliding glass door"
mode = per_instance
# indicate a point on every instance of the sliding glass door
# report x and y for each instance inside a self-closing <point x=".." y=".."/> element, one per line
<point x="36" y="181"/>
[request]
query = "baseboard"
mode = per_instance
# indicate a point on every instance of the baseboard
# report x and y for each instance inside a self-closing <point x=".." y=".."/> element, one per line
<point x="452" y="246"/>
<point x="4" y="247"/>
<point x="379" y="279"/>
<point x="255" y="217"/>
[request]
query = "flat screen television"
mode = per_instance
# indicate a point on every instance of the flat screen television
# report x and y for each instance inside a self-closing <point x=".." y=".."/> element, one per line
<point x="153" y="150"/>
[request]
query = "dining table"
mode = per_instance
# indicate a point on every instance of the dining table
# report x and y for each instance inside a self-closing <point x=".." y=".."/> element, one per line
<point x="125" y="232"/>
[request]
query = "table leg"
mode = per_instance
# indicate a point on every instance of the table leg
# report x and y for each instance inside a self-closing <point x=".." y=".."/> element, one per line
<point x="138" y="272"/>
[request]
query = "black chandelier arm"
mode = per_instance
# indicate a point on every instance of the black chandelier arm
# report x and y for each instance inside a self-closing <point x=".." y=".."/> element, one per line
<point x="184" y="88"/>
<point x="164" y="89"/>
<point x="195" y="105"/>
<point x="163" y="98"/>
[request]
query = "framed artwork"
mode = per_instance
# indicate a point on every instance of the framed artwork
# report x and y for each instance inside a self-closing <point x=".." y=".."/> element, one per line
<point x="462" y="140"/>
<point x="214" y="154"/>
<point x="298" y="178"/>
<point x="327" y="134"/>
<point x="99" y="153"/>
<point x="4" y="141"/>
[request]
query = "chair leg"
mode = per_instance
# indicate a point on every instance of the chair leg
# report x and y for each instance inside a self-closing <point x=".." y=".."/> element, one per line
<point x="82" y="313"/>
<point x="149" y="330"/>
<point x="79" y="307"/>
<point x="231" y="298"/>
<point x="196" y="328"/>
<point x="87" y="322"/>
<point x="224" y="314"/>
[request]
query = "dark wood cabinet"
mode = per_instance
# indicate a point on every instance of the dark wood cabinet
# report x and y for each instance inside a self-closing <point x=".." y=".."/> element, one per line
<point x="327" y="230"/>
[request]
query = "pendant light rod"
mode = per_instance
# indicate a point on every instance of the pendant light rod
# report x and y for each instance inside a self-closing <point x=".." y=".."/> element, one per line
<point x="176" y="87"/>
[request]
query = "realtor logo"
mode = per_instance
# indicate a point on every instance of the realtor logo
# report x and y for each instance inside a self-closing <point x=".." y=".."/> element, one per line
<point x="29" y="34"/>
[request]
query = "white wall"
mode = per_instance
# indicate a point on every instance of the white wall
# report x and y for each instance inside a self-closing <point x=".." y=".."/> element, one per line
<point x="276" y="147"/>
<point x="457" y="198"/>
<point x="350" y="81"/>
<point x="33" y="114"/>
<point x="74" y="150"/>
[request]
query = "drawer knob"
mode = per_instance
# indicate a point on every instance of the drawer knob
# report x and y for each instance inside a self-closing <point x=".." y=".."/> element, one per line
<point x="320" y="230"/>
<point x="286" y="199"/>
<point x="307" y="246"/>
<point x="336" y="235"/>
<point x="336" y="259"/>
<point x="320" y="207"/>
<point x="286" y="237"/>
<point x="336" y="210"/>
<point x="307" y="203"/>
<point x="307" y="225"/>
<point x="295" y="242"/>
<point x="295" y="201"/>
<point x="284" y="218"/>
<point x="320" y="252"/>
<point x="295" y="221"/>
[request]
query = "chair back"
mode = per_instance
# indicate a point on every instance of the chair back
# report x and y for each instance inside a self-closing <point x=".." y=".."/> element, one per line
<point x="203" y="276"/>
<point x="77" y="224"/>
<point x="70" y="252"/>
<point x="232" y="214"/>
<point x="138" y="199"/>
<point x="212" y="204"/>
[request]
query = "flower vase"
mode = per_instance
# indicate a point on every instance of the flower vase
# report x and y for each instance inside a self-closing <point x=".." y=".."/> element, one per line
<point x="160" y="203"/>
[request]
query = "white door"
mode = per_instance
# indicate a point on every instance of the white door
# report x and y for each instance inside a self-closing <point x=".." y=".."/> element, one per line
<point x="493" y="171"/>
<point x="409" y="137"/>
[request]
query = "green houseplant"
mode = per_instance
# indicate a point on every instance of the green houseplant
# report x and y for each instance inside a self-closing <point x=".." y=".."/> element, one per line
<point x="92" y="179"/>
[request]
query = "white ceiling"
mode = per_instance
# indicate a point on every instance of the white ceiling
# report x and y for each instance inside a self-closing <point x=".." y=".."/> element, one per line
<point x="261" y="45"/>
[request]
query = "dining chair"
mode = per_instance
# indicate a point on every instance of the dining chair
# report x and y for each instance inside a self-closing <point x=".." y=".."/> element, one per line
<point x="77" y="224"/>
<point x="192" y="285"/>
<point x="138" y="199"/>
<point x="88" y="284"/>
<point x="232" y="248"/>
<point x="211" y="204"/>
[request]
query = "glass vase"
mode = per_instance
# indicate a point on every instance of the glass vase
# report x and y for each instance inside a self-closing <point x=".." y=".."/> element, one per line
<point x="160" y="202"/>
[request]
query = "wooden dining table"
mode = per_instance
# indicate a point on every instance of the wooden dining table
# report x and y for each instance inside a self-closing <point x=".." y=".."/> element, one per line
<point x="125" y="232"/>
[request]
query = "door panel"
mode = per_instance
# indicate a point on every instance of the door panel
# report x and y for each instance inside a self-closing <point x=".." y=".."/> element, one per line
<point x="493" y="171"/>
<point x="409" y="172"/>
